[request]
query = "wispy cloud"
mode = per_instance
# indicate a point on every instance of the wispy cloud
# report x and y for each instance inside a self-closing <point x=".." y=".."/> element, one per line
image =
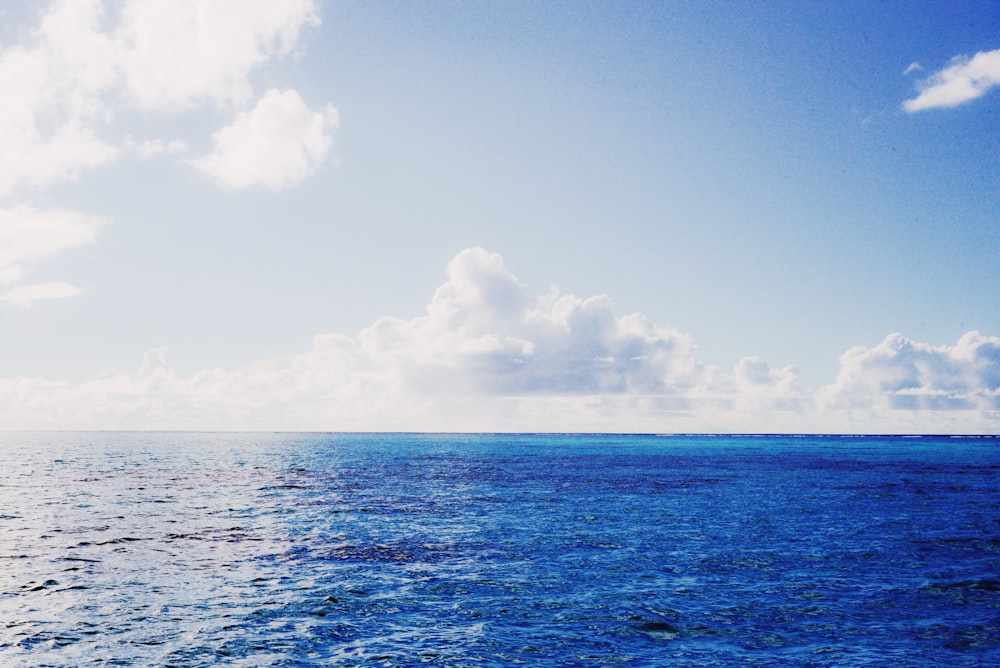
<point x="23" y="296"/>
<point x="489" y="355"/>
<point x="964" y="80"/>
<point x="28" y="237"/>
<point x="153" y="147"/>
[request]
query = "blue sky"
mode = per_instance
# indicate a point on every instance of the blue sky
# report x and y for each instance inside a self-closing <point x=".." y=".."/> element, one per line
<point x="500" y="216"/>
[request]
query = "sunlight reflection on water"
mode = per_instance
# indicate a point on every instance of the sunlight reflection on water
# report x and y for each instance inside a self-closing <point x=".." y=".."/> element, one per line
<point x="236" y="549"/>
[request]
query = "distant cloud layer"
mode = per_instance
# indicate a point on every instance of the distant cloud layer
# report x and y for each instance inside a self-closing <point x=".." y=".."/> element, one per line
<point x="964" y="80"/>
<point x="489" y="355"/>
<point x="68" y="86"/>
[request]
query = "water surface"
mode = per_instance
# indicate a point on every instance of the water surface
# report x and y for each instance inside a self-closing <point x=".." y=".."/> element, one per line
<point x="160" y="549"/>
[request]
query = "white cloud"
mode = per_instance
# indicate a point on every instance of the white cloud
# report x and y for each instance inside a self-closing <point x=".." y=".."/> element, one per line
<point x="177" y="53"/>
<point x="23" y="296"/>
<point x="483" y="333"/>
<point x="277" y="144"/>
<point x="912" y="67"/>
<point x="486" y="355"/>
<point x="151" y="148"/>
<point x="903" y="374"/>
<point x="52" y="110"/>
<point x="964" y="80"/>
<point x="759" y="387"/>
<point x="490" y="356"/>
<point x="28" y="237"/>
<point x="63" y="87"/>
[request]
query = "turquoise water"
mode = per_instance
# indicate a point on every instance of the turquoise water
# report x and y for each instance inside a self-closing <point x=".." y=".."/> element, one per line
<point x="160" y="549"/>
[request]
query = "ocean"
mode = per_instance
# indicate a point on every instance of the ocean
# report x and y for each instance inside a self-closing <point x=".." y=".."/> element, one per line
<point x="205" y="549"/>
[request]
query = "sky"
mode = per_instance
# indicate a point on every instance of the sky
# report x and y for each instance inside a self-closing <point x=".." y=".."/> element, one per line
<point x="561" y="216"/>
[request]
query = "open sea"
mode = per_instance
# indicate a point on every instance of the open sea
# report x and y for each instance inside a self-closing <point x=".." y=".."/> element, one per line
<point x="205" y="549"/>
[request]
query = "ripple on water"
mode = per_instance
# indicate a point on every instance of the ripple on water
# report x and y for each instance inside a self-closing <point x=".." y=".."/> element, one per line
<point x="187" y="549"/>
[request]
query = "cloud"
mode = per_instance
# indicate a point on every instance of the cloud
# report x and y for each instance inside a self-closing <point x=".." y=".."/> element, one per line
<point x="276" y="145"/>
<point x="759" y="387"/>
<point x="66" y="83"/>
<point x="488" y="355"/>
<point x="23" y="296"/>
<point x="28" y="237"/>
<point x="175" y="54"/>
<point x="484" y="334"/>
<point x="903" y="374"/>
<point x="63" y="88"/>
<point x="52" y="110"/>
<point x="151" y="148"/>
<point x="964" y="80"/>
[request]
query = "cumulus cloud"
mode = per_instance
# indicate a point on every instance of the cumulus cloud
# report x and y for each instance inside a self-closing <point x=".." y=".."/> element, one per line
<point x="63" y="86"/>
<point x="276" y="145"/>
<point x="759" y="387"/>
<point x="175" y="54"/>
<point x="483" y="333"/>
<point x="488" y="355"/>
<point x="964" y="80"/>
<point x="903" y="374"/>
<point x="52" y="111"/>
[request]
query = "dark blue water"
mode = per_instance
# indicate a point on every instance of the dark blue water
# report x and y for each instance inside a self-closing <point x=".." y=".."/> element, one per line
<point x="400" y="550"/>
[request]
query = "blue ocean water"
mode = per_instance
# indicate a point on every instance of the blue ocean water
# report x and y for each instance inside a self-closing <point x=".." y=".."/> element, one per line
<point x="165" y="549"/>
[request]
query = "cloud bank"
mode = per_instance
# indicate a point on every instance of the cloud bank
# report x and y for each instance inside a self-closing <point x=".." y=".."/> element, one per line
<point x="488" y="355"/>
<point x="73" y="84"/>
<point x="964" y="80"/>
